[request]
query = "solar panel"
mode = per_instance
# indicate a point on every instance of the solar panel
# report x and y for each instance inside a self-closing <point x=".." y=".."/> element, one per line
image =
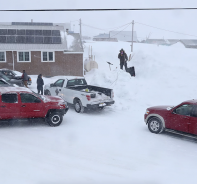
<point x="56" y="40"/>
<point x="29" y="39"/>
<point x="39" y="39"/>
<point x="46" y="32"/>
<point x="20" y="32"/>
<point x="2" y="39"/>
<point x="11" y="39"/>
<point x="29" y="32"/>
<point x="3" y="31"/>
<point x="20" y="39"/>
<point x="32" y="23"/>
<point x="47" y="40"/>
<point x="11" y="32"/>
<point x="55" y="32"/>
<point x="38" y="32"/>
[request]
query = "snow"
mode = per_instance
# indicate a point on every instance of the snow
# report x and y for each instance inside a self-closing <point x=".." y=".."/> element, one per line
<point x="70" y="40"/>
<point x="113" y="145"/>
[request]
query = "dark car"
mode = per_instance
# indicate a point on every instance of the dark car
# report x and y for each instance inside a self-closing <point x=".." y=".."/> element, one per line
<point x="13" y="75"/>
<point x="11" y="81"/>
<point x="181" y="119"/>
<point x="4" y="83"/>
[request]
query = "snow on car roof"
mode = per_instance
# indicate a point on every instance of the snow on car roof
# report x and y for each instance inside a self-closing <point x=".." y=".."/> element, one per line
<point x="70" y="77"/>
<point x="14" y="89"/>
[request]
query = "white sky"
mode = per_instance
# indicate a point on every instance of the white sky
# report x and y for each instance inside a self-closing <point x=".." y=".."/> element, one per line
<point x="177" y="20"/>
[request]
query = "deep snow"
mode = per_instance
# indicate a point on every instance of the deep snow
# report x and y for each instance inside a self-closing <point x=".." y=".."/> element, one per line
<point x="114" y="145"/>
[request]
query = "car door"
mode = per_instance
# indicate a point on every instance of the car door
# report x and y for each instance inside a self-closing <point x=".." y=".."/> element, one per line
<point x="56" y="87"/>
<point x="9" y="106"/>
<point x="193" y="121"/>
<point x="31" y="106"/>
<point x="180" y="117"/>
<point x="69" y="93"/>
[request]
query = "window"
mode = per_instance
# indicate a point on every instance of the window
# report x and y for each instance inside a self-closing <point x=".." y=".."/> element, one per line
<point x="75" y="82"/>
<point x="194" y="111"/>
<point x="9" y="98"/>
<point x="184" y="110"/>
<point x="28" y="98"/>
<point x="2" y="82"/>
<point x="48" y="57"/>
<point x="24" y="57"/>
<point x="2" y="56"/>
<point x="59" y="83"/>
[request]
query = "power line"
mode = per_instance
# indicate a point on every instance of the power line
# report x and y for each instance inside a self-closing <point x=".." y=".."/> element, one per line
<point x="107" y="29"/>
<point x="166" y="29"/>
<point x="121" y="30"/>
<point x="109" y="9"/>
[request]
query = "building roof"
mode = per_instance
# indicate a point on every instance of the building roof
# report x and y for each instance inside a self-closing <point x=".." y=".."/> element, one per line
<point x="60" y="44"/>
<point x="102" y="35"/>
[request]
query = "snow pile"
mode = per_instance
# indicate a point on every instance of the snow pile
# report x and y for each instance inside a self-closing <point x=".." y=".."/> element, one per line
<point x="178" y="45"/>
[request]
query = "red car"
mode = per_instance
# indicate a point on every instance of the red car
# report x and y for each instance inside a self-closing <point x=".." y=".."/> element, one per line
<point x="179" y="119"/>
<point x="22" y="103"/>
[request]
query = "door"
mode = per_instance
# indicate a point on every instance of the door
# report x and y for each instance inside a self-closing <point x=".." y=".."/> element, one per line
<point x="9" y="106"/>
<point x="56" y="87"/>
<point x="31" y="106"/>
<point x="193" y="121"/>
<point x="180" y="117"/>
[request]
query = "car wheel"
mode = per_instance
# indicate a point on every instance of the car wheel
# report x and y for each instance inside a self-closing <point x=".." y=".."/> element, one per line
<point x="47" y="92"/>
<point x="78" y="106"/>
<point x="54" y="119"/>
<point x="155" y="125"/>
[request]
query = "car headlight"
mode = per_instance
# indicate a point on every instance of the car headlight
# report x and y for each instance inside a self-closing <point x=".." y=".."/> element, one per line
<point x="147" y="111"/>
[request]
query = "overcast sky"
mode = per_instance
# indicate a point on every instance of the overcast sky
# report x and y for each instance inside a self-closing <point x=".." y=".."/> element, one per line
<point x="177" y="20"/>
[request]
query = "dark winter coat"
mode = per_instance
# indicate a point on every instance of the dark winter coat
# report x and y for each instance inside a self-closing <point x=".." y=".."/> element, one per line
<point x="40" y="83"/>
<point x="25" y="76"/>
<point x="123" y="57"/>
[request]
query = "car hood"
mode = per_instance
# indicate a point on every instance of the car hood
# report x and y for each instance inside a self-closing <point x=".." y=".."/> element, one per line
<point x="161" y="107"/>
<point x="52" y="99"/>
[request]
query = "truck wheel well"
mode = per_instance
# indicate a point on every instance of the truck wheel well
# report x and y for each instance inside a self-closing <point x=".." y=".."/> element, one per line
<point x="150" y="118"/>
<point x="75" y="99"/>
<point x="51" y="111"/>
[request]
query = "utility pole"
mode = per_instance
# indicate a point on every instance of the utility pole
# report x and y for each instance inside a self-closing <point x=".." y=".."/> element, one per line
<point x="80" y="28"/>
<point x="132" y="36"/>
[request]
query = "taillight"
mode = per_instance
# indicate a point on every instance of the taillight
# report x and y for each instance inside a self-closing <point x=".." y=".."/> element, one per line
<point x="29" y="79"/>
<point x="88" y="97"/>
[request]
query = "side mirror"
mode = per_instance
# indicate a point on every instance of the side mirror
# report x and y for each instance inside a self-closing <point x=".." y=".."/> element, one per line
<point x="37" y="100"/>
<point x="51" y="85"/>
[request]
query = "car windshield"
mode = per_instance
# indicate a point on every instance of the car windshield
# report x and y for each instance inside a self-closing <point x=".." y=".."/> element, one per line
<point x="4" y="77"/>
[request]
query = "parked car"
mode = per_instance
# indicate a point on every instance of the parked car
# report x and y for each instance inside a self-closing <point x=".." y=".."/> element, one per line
<point x="180" y="119"/>
<point x="13" y="75"/>
<point x="11" y="81"/>
<point x="4" y="83"/>
<point x="76" y="91"/>
<point x="22" y="103"/>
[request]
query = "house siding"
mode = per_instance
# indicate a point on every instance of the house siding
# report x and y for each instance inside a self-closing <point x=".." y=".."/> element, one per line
<point x="65" y="64"/>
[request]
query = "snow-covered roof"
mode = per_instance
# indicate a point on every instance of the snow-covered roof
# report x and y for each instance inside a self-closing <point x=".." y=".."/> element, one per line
<point x="14" y="90"/>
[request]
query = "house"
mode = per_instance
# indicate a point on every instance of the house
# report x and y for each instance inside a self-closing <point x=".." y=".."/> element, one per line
<point x="40" y="48"/>
<point x="104" y="37"/>
<point x="125" y="36"/>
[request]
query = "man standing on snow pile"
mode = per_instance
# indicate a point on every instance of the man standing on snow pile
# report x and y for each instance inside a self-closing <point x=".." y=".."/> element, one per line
<point x="24" y="78"/>
<point x="123" y="59"/>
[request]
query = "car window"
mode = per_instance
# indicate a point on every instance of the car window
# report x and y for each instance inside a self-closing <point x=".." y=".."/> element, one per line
<point x="28" y="98"/>
<point x="76" y="82"/>
<point x="4" y="76"/>
<point x="9" y="98"/>
<point x="59" y="83"/>
<point x="2" y="82"/>
<point x="194" y="111"/>
<point x="184" y="110"/>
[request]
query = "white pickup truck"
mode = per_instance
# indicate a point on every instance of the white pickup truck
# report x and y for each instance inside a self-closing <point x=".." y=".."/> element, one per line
<point x="76" y="91"/>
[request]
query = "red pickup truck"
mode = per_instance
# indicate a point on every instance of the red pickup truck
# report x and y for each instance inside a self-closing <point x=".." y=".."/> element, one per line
<point x="180" y="119"/>
<point x="22" y="103"/>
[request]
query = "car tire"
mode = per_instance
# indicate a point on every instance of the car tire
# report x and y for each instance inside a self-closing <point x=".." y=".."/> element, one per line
<point x="155" y="125"/>
<point x="78" y="106"/>
<point x="54" y="119"/>
<point x="47" y="92"/>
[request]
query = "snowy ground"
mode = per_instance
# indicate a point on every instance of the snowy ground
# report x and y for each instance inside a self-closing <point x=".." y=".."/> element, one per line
<point x="112" y="146"/>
